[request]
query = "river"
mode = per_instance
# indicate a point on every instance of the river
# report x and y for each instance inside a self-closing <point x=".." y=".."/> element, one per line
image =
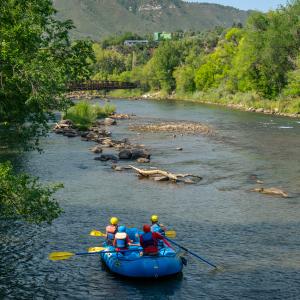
<point x="254" y="237"/>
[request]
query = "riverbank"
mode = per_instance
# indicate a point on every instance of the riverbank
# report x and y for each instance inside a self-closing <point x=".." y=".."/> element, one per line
<point x="250" y="102"/>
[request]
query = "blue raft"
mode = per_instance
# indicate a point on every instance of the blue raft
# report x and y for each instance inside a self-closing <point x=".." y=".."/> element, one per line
<point x="131" y="264"/>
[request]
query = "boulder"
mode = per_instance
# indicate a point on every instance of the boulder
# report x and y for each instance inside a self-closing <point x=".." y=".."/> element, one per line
<point x="96" y="149"/>
<point x="143" y="160"/>
<point x="106" y="157"/>
<point x="84" y="133"/>
<point x="70" y="133"/>
<point x="140" y="153"/>
<point x="117" y="168"/>
<point x="110" y="121"/>
<point x="125" y="154"/>
<point x="260" y="110"/>
<point x="91" y="135"/>
<point x="66" y="122"/>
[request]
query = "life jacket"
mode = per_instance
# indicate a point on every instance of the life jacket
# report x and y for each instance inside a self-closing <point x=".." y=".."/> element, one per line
<point x="110" y="232"/>
<point x="156" y="228"/>
<point x="148" y="240"/>
<point x="121" y="240"/>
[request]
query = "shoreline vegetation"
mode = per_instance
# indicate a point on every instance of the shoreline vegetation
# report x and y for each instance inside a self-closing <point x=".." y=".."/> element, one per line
<point x="253" y="66"/>
<point x="243" y="102"/>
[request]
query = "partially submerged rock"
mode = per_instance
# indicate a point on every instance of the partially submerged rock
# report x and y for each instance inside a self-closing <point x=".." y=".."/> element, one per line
<point x="121" y="116"/>
<point x="271" y="191"/>
<point x="109" y="121"/>
<point x="134" y="154"/>
<point x="97" y="149"/>
<point x="106" y="157"/>
<point x="125" y="154"/>
<point x="140" y="153"/>
<point x="142" y="160"/>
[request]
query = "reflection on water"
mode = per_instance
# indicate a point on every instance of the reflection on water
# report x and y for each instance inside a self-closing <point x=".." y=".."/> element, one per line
<point x="253" y="237"/>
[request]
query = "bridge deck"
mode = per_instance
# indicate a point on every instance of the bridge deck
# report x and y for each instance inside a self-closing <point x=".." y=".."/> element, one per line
<point x="100" y="85"/>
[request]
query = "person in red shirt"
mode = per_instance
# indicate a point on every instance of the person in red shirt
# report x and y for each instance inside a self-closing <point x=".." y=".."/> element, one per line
<point x="149" y="241"/>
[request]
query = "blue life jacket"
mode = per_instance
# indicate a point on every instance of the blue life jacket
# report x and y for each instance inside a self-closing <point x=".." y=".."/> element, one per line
<point x="148" y="240"/>
<point x="156" y="228"/>
<point x="121" y="240"/>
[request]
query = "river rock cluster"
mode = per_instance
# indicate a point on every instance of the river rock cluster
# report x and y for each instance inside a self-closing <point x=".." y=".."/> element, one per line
<point x="174" y="127"/>
<point x="98" y="133"/>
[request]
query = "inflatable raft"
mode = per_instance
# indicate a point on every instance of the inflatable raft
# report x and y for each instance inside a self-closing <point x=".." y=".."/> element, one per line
<point x="133" y="264"/>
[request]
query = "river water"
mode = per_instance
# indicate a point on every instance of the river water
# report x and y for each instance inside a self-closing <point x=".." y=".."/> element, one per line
<point x="254" y="237"/>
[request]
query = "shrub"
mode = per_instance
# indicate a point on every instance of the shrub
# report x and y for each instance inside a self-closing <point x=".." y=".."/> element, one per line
<point x="24" y="197"/>
<point x="84" y="114"/>
<point x="104" y="111"/>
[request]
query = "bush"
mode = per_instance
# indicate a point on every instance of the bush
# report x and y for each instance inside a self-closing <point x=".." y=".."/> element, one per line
<point x="23" y="197"/>
<point x="84" y="114"/>
<point x="104" y="111"/>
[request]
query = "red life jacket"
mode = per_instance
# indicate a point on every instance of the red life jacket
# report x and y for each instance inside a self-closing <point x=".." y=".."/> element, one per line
<point x="148" y="242"/>
<point x="111" y="230"/>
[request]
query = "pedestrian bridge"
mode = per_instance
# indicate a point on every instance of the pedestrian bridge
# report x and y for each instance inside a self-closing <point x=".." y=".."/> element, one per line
<point x="96" y="85"/>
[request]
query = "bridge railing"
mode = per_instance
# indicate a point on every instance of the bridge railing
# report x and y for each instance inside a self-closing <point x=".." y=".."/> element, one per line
<point x="100" y="85"/>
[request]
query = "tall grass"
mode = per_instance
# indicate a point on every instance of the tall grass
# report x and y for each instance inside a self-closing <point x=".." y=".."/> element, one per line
<point x="84" y="114"/>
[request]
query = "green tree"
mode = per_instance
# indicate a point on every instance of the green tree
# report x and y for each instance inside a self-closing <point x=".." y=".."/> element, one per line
<point x="184" y="77"/>
<point x="159" y="70"/>
<point x="217" y="65"/>
<point x="266" y="54"/>
<point x="37" y="59"/>
<point x="23" y="197"/>
<point x="108" y="62"/>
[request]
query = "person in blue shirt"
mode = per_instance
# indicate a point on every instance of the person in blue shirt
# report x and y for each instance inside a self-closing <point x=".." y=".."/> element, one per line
<point x="156" y="227"/>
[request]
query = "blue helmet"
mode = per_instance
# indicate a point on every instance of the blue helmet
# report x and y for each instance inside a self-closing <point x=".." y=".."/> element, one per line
<point x="122" y="229"/>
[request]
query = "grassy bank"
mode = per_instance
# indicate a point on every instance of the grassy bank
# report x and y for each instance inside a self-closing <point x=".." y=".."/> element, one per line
<point x="242" y="101"/>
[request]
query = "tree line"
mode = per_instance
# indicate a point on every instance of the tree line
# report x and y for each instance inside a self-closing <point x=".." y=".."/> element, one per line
<point x="261" y="59"/>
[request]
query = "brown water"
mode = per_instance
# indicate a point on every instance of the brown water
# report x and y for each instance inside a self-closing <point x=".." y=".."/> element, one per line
<point x="254" y="237"/>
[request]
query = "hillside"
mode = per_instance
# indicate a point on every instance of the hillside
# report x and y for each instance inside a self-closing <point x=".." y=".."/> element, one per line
<point x="99" y="18"/>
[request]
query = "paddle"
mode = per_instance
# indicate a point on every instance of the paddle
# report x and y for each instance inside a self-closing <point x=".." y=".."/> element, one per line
<point x="170" y="233"/>
<point x="192" y="253"/>
<point x="93" y="250"/>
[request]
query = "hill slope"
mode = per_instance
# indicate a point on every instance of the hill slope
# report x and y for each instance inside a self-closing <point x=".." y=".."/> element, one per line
<point x="99" y="18"/>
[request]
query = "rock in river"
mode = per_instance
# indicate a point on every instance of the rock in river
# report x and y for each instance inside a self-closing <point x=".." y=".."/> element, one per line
<point x="140" y="153"/>
<point x="96" y="149"/>
<point x="110" y="121"/>
<point x="106" y="157"/>
<point x="143" y="160"/>
<point x="125" y="154"/>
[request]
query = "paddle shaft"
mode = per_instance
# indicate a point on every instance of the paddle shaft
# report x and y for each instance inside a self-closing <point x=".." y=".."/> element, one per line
<point x="103" y="251"/>
<point x="192" y="253"/>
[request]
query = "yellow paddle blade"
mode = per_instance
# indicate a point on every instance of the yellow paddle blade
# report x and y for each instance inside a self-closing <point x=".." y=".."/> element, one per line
<point x="95" y="249"/>
<point x="60" y="255"/>
<point x="97" y="233"/>
<point x="171" y="234"/>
